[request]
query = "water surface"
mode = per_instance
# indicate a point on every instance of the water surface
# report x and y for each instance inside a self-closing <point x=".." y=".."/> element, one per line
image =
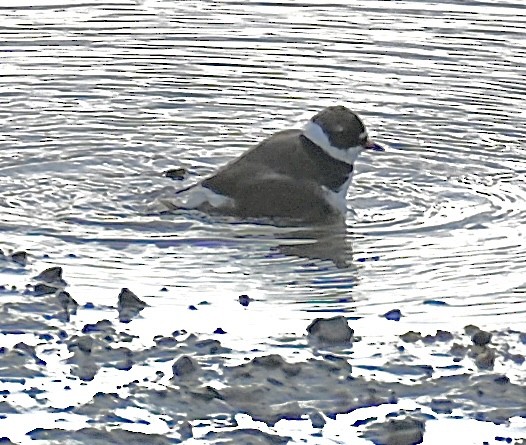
<point x="98" y="99"/>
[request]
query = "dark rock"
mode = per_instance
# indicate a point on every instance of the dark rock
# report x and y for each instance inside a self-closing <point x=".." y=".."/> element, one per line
<point x="184" y="366"/>
<point x="317" y="420"/>
<point x="486" y="359"/>
<point x="19" y="258"/>
<point x="44" y="289"/>
<point x="471" y="329"/>
<point x="269" y="361"/>
<point x="175" y="173"/>
<point x="129" y="305"/>
<point x="442" y="406"/>
<point x="411" y="337"/>
<point x="406" y="431"/>
<point x="67" y="302"/>
<point x="211" y="346"/>
<point x="444" y="335"/>
<point x="275" y="361"/>
<point x="394" y="315"/>
<point x="244" y="300"/>
<point x="481" y="338"/>
<point x="84" y="344"/>
<point x="185" y="430"/>
<point x="103" y="326"/>
<point x="333" y="330"/>
<point x="52" y="275"/>
<point x="458" y="350"/>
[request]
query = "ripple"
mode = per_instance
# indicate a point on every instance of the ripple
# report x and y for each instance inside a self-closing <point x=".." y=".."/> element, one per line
<point x="98" y="99"/>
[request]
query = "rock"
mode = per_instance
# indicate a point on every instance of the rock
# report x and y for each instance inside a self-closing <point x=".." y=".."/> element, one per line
<point x="330" y="331"/>
<point x="67" y="302"/>
<point x="394" y="314"/>
<point x="481" y="338"/>
<point x="411" y="337"/>
<point x="84" y="344"/>
<point x="44" y="289"/>
<point x="405" y="431"/>
<point x="185" y="430"/>
<point x="51" y="276"/>
<point x="175" y="173"/>
<point x="184" y="366"/>
<point x="19" y="257"/>
<point x="244" y="300"/>
<point x="102" y="326"/>
<point x="317" y="420"/>
<point x="486" y="359"/>
<point x="129" y="305"/>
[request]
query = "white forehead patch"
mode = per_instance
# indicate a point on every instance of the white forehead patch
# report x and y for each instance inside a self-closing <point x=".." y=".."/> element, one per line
<point x="313" y="132"/>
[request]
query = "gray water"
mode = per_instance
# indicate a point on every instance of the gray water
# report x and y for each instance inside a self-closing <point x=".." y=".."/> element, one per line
<point x="98" y="99"/>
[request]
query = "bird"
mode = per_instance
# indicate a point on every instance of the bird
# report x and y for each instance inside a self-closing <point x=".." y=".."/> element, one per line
<point x="300" y="174"/>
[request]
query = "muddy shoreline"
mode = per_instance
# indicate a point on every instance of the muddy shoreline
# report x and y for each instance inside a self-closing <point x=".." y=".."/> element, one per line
<point x="192" y="388"/>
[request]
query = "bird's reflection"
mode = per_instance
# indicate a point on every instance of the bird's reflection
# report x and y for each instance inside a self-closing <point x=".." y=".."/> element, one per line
<point x="327" y="243"/>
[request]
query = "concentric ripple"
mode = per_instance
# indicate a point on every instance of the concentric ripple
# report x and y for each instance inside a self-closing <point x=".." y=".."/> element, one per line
<point x="98" y="99"/>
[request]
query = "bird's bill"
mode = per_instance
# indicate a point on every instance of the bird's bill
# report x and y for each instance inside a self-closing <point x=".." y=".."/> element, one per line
<point x="370" y="145"/>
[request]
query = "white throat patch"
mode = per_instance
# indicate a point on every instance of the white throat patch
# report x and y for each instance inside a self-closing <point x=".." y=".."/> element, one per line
<point x="313" y="132"/>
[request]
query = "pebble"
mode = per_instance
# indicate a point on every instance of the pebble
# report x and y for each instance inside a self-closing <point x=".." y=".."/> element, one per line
<point x="411" y="337"/>
<point x="244" y="300"/>
<point x="175" y="173"/>
<point x="52" y="275"/>
<point x="394" y="314"/>
<point x="329" y="331"/>
<point x="19" y="257"/>
<point x="481" y="338"/>
<point x="184" y="366"/>
<point x="44" y="289"/>
<point x="317" y="420"/>
<point x="129" y="305"/>
<point x="486" y="359"/>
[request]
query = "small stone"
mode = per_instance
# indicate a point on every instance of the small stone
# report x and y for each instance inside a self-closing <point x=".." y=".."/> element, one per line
<point x="103" y="326"/>
<point x="67" y="301"/>
<point x="129" y="305"/>
<point x="443" y="335"/>
<point x="185" y="430"/>
<point x="44" y="289"/>
<point x="481" y="338"/>
<point x="330" y="330"/>
<point x="411" y="337"/>
<point x="175" y="173"/>
<point x="317" y="420"/>
<point x="52" y="275"/>
<point x="244" y="300"/>
<point x="471" y="329"/>
<point x="269" y="361"/>
<point x="19" y="258"/>
<point x="84" y="343"/>
<point x="184" y="366"/>
<point x="394" y="315"/>
<point x="486" y="359"/>
<point x="458" y="350"/>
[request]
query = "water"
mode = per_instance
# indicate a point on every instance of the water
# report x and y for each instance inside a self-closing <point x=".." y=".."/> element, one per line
<point x="98" y="99"/>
